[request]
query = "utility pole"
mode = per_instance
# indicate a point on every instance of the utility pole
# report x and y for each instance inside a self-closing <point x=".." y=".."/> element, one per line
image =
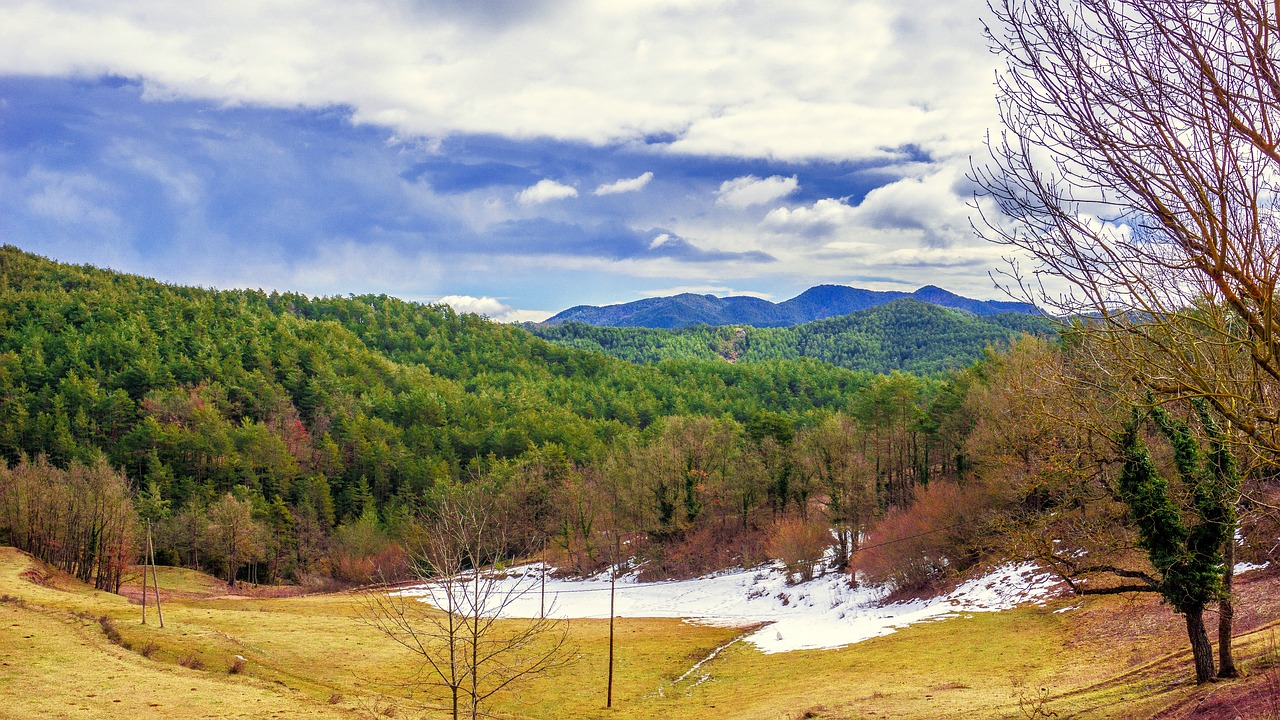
<point x="144" y="574"/>
<point x="613" y="581"/>
<point x="155" y="579"/>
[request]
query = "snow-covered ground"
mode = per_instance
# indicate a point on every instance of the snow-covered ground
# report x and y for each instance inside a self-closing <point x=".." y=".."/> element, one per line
<point x="822" y="613"/>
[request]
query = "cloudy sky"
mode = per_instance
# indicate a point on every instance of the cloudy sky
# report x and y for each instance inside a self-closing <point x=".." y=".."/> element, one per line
<point x="513" y="157"/>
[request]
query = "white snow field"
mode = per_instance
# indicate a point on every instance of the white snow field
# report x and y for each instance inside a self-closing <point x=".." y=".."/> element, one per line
<point x="821" y="614"/>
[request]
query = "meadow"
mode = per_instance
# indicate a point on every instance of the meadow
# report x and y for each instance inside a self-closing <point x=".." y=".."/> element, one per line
<point x="311" y="656"/>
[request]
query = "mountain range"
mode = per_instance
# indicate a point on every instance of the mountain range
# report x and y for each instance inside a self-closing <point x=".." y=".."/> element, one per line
<point x="816" y="303"/>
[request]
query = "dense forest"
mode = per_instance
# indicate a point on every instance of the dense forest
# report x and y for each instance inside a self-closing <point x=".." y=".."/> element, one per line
<point x="317" y="415"/>
<point x="904" y="334"/>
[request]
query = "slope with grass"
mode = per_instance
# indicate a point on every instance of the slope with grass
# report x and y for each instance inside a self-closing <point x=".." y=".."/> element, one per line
<point x="1114" y="657"/>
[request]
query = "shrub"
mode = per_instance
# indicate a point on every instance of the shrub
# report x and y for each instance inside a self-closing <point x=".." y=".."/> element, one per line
<point x="191" y="661"/>
<point x="236" y="667"/>
<point x="149" y="650"/>
<point x="800" y="545"/>
<point x="941" y="534"/>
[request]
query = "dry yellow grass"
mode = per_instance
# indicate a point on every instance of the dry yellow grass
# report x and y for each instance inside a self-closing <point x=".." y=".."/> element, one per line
<point x="1109" y="659"/>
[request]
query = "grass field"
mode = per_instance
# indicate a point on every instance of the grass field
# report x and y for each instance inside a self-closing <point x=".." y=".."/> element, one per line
<point x="311" y="657"/>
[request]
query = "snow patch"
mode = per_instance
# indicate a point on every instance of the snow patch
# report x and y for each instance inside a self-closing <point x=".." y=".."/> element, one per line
<point x="1244" y="567"/>
<point x="823" y="613"/>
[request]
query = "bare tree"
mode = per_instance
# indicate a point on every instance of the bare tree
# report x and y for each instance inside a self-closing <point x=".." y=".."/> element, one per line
<point x="79" y="519"/>
<point x="461" y="645"/>
<point x="1139" y="163"/>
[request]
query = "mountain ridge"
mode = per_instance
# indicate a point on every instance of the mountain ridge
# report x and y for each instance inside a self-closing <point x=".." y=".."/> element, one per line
<point x="819" y="302"/>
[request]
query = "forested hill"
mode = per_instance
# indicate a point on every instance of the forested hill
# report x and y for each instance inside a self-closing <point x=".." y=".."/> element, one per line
<point x="357" y="399"/>
<point x="904" y="334"/>
<point x="816" y="303"/>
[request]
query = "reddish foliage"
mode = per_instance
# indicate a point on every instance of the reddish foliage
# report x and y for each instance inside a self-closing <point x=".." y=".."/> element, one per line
<point x="704" y="549"/>
<point x="389" y="564"/>
<point x="939" y="535"/>
<point x="800" y="544"/>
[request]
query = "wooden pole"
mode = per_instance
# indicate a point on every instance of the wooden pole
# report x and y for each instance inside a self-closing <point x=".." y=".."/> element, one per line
<point x="155" y="579"/>
<point x="544" y="579"/>
<point x="613" y="580"/>
<point x="144" y="575"/>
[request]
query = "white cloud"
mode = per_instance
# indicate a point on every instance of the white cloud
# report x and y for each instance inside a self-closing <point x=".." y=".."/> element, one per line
<point x="822" y="217"/>
<point x="493" y="309"/>
<point x="625" y="185"/>
<point x="750" y="79"/>
<point x="659" y="241"/>
<point x="545" y="191"/>
<point x="932" y="209"/>
<point x="750" y="190"/>
<point x="717" y="290"/>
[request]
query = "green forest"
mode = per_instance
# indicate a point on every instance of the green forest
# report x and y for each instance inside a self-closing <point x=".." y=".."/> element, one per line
<point x="318" y="415"/>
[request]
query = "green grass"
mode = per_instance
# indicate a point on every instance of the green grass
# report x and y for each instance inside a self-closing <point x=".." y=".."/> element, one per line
<point x="1109" y="659"/>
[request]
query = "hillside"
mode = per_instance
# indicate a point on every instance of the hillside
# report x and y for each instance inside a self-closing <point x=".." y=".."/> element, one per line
<point x="197" y="387"/>
<point x="816" y="303"/>
<point x="903" y="334"/>
<point x="312" y="657"/>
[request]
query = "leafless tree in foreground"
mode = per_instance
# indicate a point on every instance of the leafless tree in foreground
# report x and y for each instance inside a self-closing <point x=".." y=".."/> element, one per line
<point x="1139" y="163"/>
<point x="461" y="647"/>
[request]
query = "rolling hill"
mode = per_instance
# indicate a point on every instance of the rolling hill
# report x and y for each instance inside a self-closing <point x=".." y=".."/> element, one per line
<point x="903" y="334"/>
<point x="817" y="303"/>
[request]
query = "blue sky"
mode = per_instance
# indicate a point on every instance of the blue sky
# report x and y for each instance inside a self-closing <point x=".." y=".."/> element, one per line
<point x="511" y="157"/>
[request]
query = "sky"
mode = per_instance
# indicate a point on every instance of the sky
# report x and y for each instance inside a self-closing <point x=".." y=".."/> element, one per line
<point x="509" y="157"/>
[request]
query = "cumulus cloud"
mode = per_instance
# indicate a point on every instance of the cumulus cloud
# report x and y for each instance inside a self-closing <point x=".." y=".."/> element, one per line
<point x="545" y="191"/>
<point x="476" y="100"/>
<point x="625" y="185"/>
<point x="821" y="218"/>
<point x="493" y="309"/>
<point x="750" y="190"/>
<point x="760" y="81"/>
<point x="931" y="209"/>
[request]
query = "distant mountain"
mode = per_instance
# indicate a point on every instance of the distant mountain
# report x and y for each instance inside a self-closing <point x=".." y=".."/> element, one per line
<point x="902" y="334"/>
<point x="816" y="303"/>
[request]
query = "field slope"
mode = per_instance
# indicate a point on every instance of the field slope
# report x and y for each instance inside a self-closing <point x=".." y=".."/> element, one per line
<point x="311" y="657"/>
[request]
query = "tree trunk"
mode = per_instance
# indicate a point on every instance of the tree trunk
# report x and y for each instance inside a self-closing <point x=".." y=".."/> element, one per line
<point x="1226" y="612"/>
<point x="1200" y="647"/>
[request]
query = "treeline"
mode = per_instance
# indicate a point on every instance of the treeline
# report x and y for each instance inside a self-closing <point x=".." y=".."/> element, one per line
<point x="905" y="334"/>
<point x="80" y="519"/>
<point x="331" y="420"/>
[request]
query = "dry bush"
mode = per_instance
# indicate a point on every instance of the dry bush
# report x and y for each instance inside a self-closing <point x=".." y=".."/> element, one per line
<point x="149" y="650"/>
<point x="800" y="545"/>
<point x="944" y="532"/>
<point x="703" y="550"/>
<point x="390" y="563"/>
<point x="236" y="667"/>
<point x="191" y="661"/>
